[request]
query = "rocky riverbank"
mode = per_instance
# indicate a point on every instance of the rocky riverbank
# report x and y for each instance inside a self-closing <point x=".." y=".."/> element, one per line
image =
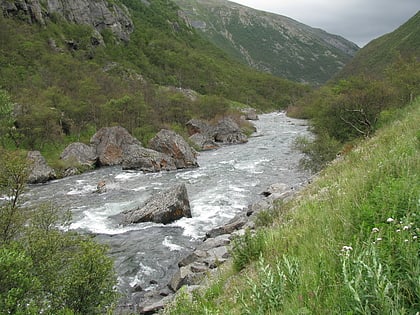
<point x="212" y="252"/>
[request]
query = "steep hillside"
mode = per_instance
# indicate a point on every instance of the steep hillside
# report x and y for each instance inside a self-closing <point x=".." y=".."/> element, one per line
<point x="375" y="57"/>
<point x="76" y="66"/>
<point x="270" y="42"/>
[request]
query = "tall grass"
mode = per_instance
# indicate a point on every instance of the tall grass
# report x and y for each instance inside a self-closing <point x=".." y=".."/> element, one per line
<point x="348" y="245"/>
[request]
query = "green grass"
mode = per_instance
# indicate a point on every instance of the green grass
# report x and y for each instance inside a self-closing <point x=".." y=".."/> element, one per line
<point x="347" y="245"/>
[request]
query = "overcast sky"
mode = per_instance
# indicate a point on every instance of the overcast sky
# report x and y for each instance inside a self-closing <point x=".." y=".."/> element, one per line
<point x="359" y="21"/>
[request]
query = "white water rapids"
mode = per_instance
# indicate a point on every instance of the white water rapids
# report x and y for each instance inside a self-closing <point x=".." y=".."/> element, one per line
<point x="227" y="181"/>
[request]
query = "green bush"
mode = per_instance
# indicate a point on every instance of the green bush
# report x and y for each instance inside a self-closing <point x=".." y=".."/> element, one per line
<point x="247" y="248"/>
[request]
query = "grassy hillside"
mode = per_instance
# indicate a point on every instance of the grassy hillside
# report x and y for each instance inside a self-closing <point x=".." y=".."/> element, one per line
<point x="347" y="245"/>
<point x="375" y="57"/>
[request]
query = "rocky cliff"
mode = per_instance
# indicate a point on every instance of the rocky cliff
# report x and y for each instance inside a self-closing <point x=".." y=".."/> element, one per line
<point x="100" y="14"/>
<point x="269" y="42"/>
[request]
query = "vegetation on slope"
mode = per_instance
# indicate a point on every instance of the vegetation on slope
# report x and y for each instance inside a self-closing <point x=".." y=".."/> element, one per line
<point x="270" y="42"/>
<point x="375" y="58"/>
<point x="349" y="244"/>
<point x="65" y="87"/>
<point x="45" y="269"/>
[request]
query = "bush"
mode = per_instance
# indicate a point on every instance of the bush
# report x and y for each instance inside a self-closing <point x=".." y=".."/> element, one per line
<point x="247" y="248"/>
<point x="318" y="152"/>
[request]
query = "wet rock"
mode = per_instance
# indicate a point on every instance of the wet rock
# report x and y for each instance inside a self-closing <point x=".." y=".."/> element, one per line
<point x="172" y="144"/>
<point x="164" y="207"/>
<point x="184" y="276"/>
<point x="236" y="223"/>
<point x="138" y="158"/>
<point x="40" y="172"/>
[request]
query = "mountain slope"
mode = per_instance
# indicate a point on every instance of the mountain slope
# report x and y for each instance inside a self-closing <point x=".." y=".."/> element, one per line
<point x="380" y="53"/>
<point x="269" y="42"/>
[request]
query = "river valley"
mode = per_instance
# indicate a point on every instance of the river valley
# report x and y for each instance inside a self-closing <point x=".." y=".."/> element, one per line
<point x="227" y="181"/>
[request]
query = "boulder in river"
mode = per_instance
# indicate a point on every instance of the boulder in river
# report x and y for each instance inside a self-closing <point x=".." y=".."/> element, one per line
<point x="80" y="153"/>
<point x="111" y="144"/>
<point x="172" y="144"/>
<point x="40" y="172"/>
<point x="147" y="160"/>
<point x="164" y="207"/>
<point x="227" y="131"/>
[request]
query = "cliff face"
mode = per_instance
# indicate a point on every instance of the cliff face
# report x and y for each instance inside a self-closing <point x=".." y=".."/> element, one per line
<point x="100" y="14"/>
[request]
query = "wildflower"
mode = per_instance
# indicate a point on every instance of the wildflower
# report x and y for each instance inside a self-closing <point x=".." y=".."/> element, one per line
<point x="346" y="248"/>
<point x="406" y="227"/>
<point x="375" y="230"/>
<point x="405" y="241"/>
<point x="379" y="239"/>
<point x="390" y="220"/>
<point x="398" y="230"/>
<point x="414" y="237"/>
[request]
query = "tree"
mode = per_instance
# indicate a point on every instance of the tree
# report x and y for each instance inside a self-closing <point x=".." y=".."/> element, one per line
<point x="7" y="120"/>
<point x="13" y="177"/>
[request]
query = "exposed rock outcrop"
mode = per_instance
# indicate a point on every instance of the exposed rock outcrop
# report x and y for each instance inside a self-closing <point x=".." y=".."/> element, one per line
<point x="112" y="144"/>
<point x="100" y="14"/>
<point x="40" y="172"/>
<point x="172" y="144"/>
<point x="80" y="153"/>
<point x="164" y="207"/>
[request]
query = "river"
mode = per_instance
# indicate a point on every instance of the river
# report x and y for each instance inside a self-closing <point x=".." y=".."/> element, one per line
<point x="227" y="181"/>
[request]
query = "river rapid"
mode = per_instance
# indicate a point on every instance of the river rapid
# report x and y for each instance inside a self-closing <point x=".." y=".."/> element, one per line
<point x="227" y="181"/>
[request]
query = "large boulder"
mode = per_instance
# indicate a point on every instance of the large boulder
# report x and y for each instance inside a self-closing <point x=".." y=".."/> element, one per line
<point x="40" y="172"/>
<point x="228" y="132"/>
<point x="111" y="144"/>
<point x="164" y="207"/>
<point x="172" y="144"/>
<point x="250" y="113"/>
<point x="195" y="126"/>
<point x="147" y="160"/>
<point x="203" y="142"/>
<point x="80" y="153"/>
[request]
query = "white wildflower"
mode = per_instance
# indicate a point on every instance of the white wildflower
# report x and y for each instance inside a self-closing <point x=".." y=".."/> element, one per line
<point x="406" y="227"/>
<point x="346" y="248"/>
<point x="379" y="239"/>
<point x="390" y="220"/>
<point x="398" y="231"/>
<point x="375" y="230"/>
<point x="414" y="237"/>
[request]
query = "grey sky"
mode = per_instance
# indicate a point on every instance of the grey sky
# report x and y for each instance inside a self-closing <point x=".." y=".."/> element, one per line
<point x="357" y="20"/>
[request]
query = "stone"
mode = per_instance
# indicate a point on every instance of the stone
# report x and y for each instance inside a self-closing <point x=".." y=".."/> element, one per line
<point x="164" y="207"/>
<point x="80" y="153"/>
<point x="250" y="113"/>
<point x="236" y="223"/>
<point x="111" y="144"/>
<point x="172" y="144"/>
<point x="203" y="142"/>
<point x="138" y="158"/>
<point x="40" y="172"/>
<point x="228" y="132"/>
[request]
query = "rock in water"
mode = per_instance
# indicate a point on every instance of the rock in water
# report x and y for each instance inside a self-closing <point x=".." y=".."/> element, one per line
<point x="172" y="144"/>
<point x="40" y="171"/>
<point x="111" y="144"/>
<point x="164" y="207"/>
<point x="146" y="160"/>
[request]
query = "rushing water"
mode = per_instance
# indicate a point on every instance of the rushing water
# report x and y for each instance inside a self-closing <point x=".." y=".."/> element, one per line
<point x="227" y="181"/>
